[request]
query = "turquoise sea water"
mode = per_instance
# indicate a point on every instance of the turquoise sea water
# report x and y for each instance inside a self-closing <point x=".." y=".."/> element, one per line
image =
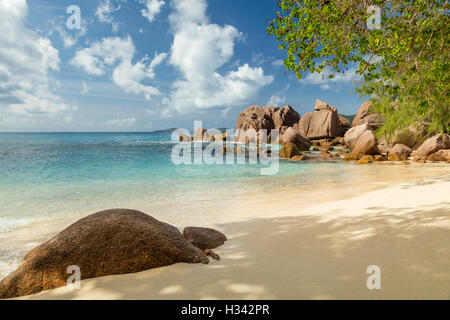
<point x="40" y="171"/>
<point x="49" y="180"/>
<point x="51" y="177"/>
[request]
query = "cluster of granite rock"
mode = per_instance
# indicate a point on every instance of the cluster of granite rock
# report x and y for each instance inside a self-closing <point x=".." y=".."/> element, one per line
<point x="296" y="133"/>
<point x="201" y="134"/>
<point x="324" y="128"/>
<point x="109" y="242"/>
<point x="365" y="148"/>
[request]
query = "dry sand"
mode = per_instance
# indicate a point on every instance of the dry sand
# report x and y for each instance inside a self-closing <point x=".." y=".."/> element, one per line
<point x="313" y="252"/>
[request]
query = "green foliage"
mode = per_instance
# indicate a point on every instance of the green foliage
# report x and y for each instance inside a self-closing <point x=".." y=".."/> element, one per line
<point x="404" y="65"/>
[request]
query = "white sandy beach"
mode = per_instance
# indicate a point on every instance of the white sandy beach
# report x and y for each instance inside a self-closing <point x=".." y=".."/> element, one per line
<point x="315" y="251"/>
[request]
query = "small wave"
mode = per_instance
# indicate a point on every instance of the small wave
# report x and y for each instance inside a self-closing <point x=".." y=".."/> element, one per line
<point x="8" y="224"/>
<point x="9" y="262"/>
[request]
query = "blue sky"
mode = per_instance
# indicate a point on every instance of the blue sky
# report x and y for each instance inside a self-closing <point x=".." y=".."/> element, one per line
<point x="142" y="65"/>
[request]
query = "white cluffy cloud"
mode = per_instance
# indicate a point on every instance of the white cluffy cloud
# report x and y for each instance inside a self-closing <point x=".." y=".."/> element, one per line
<point x="25" y="61"/>
<point x="119" y="52"/>
<point x="325" y="83"/>
<point x="276" y="101"/>
<point x="69" y="37"/>
<point x="198" y="50"/>
<point x="279" y="99"/>
<point x="153" y="8"/>
<point x="104" y="13"/>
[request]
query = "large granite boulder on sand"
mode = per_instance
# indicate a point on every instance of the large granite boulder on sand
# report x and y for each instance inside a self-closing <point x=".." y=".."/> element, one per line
<point x="323" y="123"/>
<point x="294" y="136"/>
<point x="432" y="145"/>
<point x="279" y="134"/>
<point x="320" y="105"/>
<point x="384" y="147"/>
<point x="204" y="238"/>
<point x="366" y="145"/>
<point x="441" y="155"/>
<point x="256" y="117"/>
<point x="268" y="118"/>
<point x="109" y="242"/>
<point x="399" y="152"/>
<point x="285" y="116"/>
<point x="364" y="116"/>
<point x="253" y="119"/>
<point x="352" y="135"/>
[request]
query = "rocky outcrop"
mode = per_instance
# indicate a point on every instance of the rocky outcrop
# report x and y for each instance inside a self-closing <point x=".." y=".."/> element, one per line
<point x="255" y="118"/>
<point x="384" y="147"/>
<point x="200" y="134"/>
<point x="322" y="123"/>
<point x="366" y="145"/>
<point x="365" y="159"/>
<point x="399" y="152"/>
<point x="286" y="117"/>
<point x="326" y="154"/>
<point x="219" y="137"/>
<point x="365" y="116"/>
<point x="432" y="145"/>
<point x="184" y="138"/>
<point x="289" y="150"/>
<point x="379" y="157"/>
<point x="281" y="132"/>
<point x="300" y="158"/>
<point x="349" y="157"/>
<point x="412" y="137"/>
<point x="441" y="155"/>
<point x="320" y="105"/>
<point x="294" y="136"/>
<point x="105" y="243"/>
<point x="352" y="135"/>
<point x="338" y="141"/>
<point x="419" y="160"/>
<point x="204" y="238"/>
<point x="345" y="124"/>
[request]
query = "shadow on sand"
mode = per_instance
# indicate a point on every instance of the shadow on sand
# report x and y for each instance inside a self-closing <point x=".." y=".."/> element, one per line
<point x="304" y="257"/>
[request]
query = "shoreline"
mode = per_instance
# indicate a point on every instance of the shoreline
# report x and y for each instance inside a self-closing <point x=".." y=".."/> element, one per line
<point x="261" y="197"/>
<point x="312" y="252"/>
